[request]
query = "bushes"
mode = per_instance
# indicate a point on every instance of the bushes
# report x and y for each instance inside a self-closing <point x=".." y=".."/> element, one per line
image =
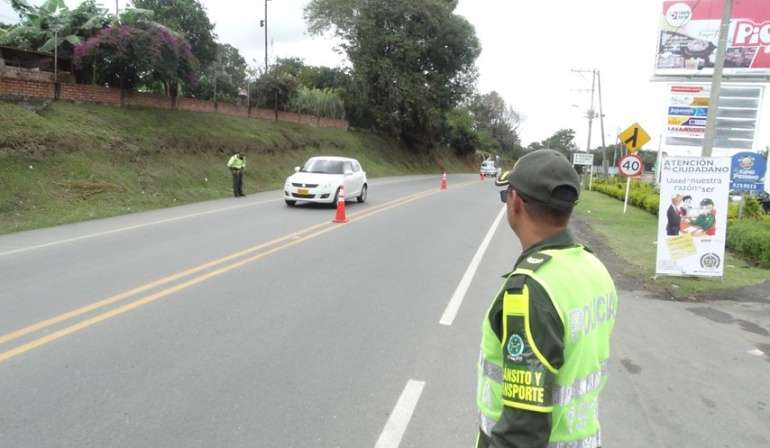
<point x="752" y="239"/>
<point x="749" y="236"/>
<point x="642" y="195"/>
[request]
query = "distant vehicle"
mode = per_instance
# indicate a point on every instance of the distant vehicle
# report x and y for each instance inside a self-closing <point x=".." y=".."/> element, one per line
<point x="320" y="179"/>
<point x="488" y="168"/>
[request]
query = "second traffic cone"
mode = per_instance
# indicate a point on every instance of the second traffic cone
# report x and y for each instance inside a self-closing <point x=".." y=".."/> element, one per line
<point x="482" y="177"/>
<point x="341" y="217"/>
<point x="444" y="182"/>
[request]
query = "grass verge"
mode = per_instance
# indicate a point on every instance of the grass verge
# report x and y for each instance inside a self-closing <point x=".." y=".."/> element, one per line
<point x="65" y="162"/>
<point x="633" y="237"/>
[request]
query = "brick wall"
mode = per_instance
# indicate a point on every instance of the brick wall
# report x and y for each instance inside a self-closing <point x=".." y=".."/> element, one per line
<point x="18" y="88"/>
<point x="288" y="117"/>
<point x="147" y="100"/>
<point x="89" y="94"/>
<point x="194" y="105"/>
<point x="233" y="109"/>
<point x="13" y="88"/>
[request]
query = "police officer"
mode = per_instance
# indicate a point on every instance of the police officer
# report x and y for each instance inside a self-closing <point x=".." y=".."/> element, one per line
<point x="546" y="337"/>
<point x="237" y="164"/>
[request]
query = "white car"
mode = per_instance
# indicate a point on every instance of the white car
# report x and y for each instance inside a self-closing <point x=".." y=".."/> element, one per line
<point x="488" y="168"/>
<point x="320" y="180"/>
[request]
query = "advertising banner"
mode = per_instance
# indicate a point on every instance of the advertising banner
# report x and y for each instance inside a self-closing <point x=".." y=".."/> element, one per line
<point x="689" y="33"/>
<point x="748" y="172"/>
<point x="687" y="111"/>
<point x="692" y="219"/>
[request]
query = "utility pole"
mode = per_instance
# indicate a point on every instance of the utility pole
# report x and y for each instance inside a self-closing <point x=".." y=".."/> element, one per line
<point x="56" y="54"/>
<point x="264" y="24"/>
<point x="716" y="82"/>
<point x="605" y="164"/>
<point x="591" y="113"/>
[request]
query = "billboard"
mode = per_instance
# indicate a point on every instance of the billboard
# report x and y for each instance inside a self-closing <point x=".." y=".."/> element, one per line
<point x="737" y="120"/>
<point x="689" y="34"/>
<point x="692" y="219"/>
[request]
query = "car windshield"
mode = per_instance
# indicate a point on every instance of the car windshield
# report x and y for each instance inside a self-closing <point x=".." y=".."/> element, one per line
<point x="324" y="166"/>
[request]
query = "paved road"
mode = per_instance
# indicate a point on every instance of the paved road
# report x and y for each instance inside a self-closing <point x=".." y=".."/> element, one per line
<point x="243" y="323"/>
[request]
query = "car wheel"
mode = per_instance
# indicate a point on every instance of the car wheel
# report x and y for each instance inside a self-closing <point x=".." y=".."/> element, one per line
<point x="291" y="203"/>
<point x="362" y="197"/>
<point x="336" y="197"/>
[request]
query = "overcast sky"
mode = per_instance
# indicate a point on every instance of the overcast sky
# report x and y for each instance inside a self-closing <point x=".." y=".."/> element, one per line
<point x="529" y="50"/>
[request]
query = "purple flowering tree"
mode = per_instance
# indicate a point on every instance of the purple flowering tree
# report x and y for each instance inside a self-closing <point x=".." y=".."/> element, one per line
<point x="142" y="54"/>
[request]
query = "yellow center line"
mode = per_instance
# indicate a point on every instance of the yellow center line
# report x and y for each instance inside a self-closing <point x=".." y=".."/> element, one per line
<point x="293" y="238"/>
<point x="165" y="280"/>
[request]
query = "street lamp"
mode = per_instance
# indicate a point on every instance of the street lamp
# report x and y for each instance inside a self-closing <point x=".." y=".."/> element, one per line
<point x="263" y="24"/>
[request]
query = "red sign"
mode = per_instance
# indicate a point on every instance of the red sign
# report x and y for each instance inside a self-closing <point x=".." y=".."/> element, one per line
<point x="689" y="31"/>
<point x="631" y="165"/>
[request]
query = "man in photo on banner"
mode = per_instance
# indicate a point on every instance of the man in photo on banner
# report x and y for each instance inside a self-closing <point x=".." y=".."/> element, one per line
<point x="673" y="216"/>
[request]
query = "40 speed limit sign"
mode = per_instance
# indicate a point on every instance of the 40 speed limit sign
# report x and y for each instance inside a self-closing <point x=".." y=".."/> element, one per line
<point x="631" y="165"/>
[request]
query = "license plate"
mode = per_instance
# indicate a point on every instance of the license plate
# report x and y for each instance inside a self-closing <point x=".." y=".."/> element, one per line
<point x="303" y="191"/>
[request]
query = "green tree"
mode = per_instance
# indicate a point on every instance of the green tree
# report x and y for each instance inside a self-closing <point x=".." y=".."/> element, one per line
<point x="226" y="76"/>
<point x="189" y="18"/>
<point x="141" y="54"/>
<point x="53" y="25"/>
<point x="498" y="122"/>
<point x="274" y="89"/>
<point x="562" y="140"/>
<point x="319" y="102"/>
<point x="413" y="61"/>
<point x="461" y="134"/>
<point x="319" y="77"/>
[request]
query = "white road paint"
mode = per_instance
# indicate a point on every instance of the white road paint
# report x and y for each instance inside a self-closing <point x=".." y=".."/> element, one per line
<point x="756" y="352"/>
<point x="399" y="419"/>
<point x="165" y="221"/>
<point x="457" y="298"/>
<point x="134" y="227"/>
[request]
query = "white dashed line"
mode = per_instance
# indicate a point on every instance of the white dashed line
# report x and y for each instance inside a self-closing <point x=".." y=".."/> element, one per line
<point x="399" y="419"/>
<point x="457" y="298"/>
<point x="756" y="352"/>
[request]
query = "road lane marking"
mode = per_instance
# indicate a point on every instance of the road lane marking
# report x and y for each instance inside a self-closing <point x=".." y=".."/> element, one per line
<point x="162" y="221"/>
<point x="399" y="419"/>
<point x="134" y="227"/>
<point x="756" y="352"/>
<point x="288" y="241"/>
<point x="450" y="313"/>
<point x="168" y="279"/>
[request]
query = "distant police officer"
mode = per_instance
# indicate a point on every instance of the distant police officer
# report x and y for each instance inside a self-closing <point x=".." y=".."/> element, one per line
<point x="237" y="164"/>
<point x="546" y="338"/>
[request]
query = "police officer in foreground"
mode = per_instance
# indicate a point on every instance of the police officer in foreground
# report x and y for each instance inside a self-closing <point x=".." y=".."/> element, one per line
<point x="237" y="164"/>
<point x="546" y="338"/>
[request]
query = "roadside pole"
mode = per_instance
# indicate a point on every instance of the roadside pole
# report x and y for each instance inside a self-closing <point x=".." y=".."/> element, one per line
<point x="628" y="190"/>
<point x="716" y="82"/>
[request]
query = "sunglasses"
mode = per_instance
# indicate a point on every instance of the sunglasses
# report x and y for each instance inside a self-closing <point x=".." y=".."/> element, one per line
<point x="504" y="195"/>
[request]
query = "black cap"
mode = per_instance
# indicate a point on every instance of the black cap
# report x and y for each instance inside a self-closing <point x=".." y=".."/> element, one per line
<point x="545" y="176"/>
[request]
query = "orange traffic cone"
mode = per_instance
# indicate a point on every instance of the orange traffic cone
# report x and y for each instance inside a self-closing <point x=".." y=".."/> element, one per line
<point x="341" y="217"/>
<point x="482" y="177"/>
<point x="444" y="182"/>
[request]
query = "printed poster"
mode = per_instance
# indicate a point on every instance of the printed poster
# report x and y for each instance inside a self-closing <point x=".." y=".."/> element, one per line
<point x="692" y="219"/>
<point x="689" y="33"/>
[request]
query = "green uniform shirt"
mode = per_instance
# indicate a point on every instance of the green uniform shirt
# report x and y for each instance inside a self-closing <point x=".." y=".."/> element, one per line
<point x="517" y="427"/>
